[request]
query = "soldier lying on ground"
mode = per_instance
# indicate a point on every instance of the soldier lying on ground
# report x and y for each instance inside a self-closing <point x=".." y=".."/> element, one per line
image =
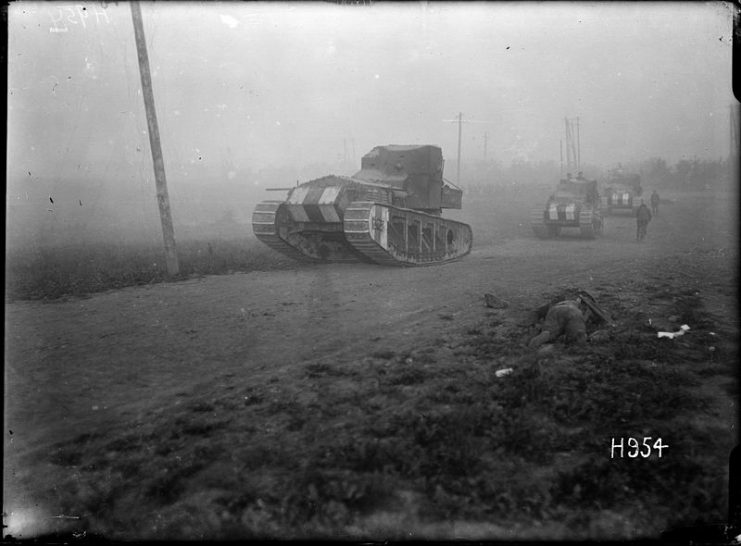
<point x="567" y="318"/>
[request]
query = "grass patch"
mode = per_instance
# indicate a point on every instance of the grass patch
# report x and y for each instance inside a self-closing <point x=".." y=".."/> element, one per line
<point x="78" y="270"/>
<point x="313" y="456"/>
<point x="383" y="355"/>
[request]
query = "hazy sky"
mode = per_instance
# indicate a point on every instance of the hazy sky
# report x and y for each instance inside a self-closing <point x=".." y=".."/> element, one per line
<point x="242" y="85"/>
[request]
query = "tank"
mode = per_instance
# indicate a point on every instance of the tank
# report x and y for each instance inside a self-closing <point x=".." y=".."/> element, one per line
<point x="389" y="212"/>
<point x="575" y="205"/>
<point x="622" y="192"/>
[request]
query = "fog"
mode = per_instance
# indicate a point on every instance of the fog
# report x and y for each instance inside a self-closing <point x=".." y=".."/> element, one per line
<point x="256" y="94"/>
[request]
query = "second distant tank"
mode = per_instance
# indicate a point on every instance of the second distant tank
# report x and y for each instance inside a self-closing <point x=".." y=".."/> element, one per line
<point x="622" y="191"/>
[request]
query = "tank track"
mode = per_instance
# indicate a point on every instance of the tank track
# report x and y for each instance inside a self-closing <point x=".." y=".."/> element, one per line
<point x="590" y="224"/>
<point x="586" y="227"/>
<point x="397" y="236"/>
<point x="538" y="224"/>
<point x="265" y="228"/>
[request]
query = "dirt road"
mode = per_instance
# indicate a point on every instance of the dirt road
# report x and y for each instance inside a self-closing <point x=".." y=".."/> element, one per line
<point x="88" y="365"/>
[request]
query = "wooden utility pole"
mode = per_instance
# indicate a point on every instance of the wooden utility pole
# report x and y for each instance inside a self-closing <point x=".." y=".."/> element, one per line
<point x="459" y="121"/>
<point x="573" y="147"/>
<point x="560" y="143"/>
<point x="734" y="125"/>
<point x="460" y="129"/>
<point x="578" y="146"/>
<point x="163" y="200"/>
<point x="570" y="151"/>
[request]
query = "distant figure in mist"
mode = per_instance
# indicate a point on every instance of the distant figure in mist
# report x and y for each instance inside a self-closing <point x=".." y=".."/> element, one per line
<point x="643" y="217"/>
<point x="655" y="203"/>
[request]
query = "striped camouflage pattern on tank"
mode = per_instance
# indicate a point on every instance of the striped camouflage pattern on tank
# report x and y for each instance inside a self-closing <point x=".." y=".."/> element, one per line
<point x="314" y="204"/>
<point x="324" y="200"/>
<point x="563" y="212"/>
<point x="620" y="199"/>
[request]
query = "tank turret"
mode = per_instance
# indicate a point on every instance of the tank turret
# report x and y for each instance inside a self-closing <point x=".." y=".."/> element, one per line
<point x="415" y="170"/>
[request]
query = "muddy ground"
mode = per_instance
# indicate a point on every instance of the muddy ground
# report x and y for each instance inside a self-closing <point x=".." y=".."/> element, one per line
<point x="360" y="401"/>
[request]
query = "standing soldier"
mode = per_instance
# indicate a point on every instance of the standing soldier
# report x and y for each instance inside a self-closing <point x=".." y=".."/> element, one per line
<point x="643" y="217"/>
<point x="655" y="203"/>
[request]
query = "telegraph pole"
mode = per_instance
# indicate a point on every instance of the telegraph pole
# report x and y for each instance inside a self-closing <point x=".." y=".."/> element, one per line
<point x="163" y="200"/>
<point x="459" y="120"/>
<point x="460" y="129"/>
<point x="570" y="151"/>
<point x="734" y="125"/>
<point x="578" y="146"/>
<point x="560" y="143"/>
<point x="573" y="149"/>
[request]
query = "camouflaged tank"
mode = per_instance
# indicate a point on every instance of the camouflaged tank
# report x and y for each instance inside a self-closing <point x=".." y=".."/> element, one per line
<point x="389" y="212"/>
<point x="622" y="192"/>
<point x="575" y="205"/>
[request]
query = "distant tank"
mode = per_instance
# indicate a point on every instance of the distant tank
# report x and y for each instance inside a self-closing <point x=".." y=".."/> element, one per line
<point x="574" y="205"/>
<point x="622" y="191"/>
<point x="386" y="213"/>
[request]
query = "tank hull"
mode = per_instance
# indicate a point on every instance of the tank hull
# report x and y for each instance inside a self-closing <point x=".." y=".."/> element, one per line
<point x="555" y="220"/>
<point x="370" y="232"/>
<point x="620" y="201"/>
